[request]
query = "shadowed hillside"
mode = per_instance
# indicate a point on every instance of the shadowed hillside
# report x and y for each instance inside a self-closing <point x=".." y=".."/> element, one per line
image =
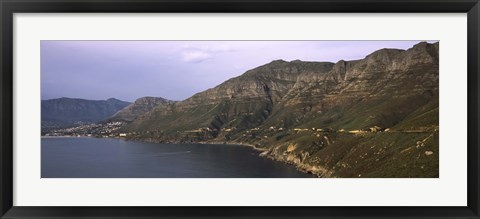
<point x="65" y="112"/>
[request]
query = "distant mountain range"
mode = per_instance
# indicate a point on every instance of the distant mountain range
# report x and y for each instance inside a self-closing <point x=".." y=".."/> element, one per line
<point x="65" y="112"/>
<point x="374" y="117"/>
<point x="68" y="112"/>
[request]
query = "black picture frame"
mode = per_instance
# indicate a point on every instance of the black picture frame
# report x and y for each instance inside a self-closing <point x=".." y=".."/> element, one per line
<point x="9" y="7"/>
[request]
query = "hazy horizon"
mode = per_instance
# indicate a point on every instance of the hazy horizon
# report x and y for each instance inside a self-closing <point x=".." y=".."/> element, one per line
<point x="175" y="70"/>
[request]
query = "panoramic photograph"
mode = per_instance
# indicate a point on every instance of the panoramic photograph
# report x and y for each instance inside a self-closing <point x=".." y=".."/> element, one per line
<point x="239" y="109"/>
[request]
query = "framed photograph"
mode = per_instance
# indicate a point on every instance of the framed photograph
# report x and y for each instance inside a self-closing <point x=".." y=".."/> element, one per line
<point x="231" y="109"/>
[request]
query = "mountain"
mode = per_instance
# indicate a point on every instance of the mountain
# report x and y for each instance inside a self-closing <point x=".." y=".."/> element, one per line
<point x="374" y="117"/>
<point x="139" y="107"/>
<point x="64" y="112"/>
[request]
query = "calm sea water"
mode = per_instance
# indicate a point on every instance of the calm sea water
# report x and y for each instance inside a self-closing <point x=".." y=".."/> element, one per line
<point x="116" y="158"/>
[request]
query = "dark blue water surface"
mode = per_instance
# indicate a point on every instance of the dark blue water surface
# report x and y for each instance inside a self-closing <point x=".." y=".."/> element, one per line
<point x="116" y="158"/>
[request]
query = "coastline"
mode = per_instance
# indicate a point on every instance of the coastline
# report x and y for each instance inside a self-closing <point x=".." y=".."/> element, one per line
<point x="233" y="144"/>
<point x="318" y="172"/>
<point x="289" y="159"/>
<point x="66" y="136"/>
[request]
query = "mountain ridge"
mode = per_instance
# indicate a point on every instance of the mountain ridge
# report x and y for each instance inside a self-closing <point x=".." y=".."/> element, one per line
<point x="268" y="105"/>
<point x="139" y="107"/>
<point x="65" y="112"/>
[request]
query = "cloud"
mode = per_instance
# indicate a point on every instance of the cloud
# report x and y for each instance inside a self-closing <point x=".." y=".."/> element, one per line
<point x="221" y="48"/>
<point x="195" y="56"/>
<point x="209" y="48"/>
<point x="200" y="53"/>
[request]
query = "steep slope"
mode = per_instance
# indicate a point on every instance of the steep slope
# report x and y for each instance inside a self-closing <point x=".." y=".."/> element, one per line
<point x="379" y="90"/>
<point x="138" y="108"/>
<point x="326" y="118"/>
<point x="246" y="100"/>
<point x="64" y="112"/>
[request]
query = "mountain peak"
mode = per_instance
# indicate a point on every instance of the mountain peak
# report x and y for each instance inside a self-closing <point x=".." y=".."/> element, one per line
<point x="384" y="53"/>
<point x="113" y="99"/>
<point x="139" y="107"/>
<point x="422" y="44"/>
<point x="278" y="61"/>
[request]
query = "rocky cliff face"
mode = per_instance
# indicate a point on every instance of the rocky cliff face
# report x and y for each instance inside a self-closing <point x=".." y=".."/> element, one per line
<point x="139" y="107"/>
<point x="63" y="112"/>
<point x="326" y="118"/>
<point x="247" y="99"/>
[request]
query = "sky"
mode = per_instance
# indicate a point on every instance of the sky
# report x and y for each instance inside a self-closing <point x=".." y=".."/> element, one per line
<point x="174" y="70"/>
